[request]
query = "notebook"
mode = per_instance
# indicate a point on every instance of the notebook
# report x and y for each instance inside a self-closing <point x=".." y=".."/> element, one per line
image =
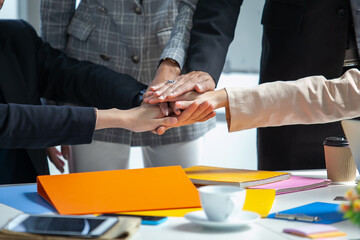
<point x="205" y="175"/>
<point x="294" y="184"/>
<point x="119" y="190"/>
<point x="352" y="132"/>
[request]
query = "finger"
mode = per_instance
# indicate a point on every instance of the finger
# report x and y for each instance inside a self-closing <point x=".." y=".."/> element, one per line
<point x="174" y="108"/>
<point x="206" y="112"/>
<point x="167" y="121"/>
<point x="177" y="90"/>
<point x="164" y="107"/>
<point x="157" y="86"/>
<point x="56" y="160"/>
<point x="211" y="115"/>
<point x="183" y="104"/>
<point x="153" y="100"/>
<point x="186" y="114"/>
<point x="65" y="151"/>
<point x="202" y="107"/>
<point x="162" y="129"/>
<point x="204" y="86"/>
<point x="158" y="93"/>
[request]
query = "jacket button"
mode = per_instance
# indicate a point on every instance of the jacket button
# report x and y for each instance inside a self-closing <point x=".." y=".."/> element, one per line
<point x="135" y="59"/>
<point x="102" y="9"/>
<point x="341" y="12"/>
<point x="137" y="10"/>
<point x="357" y="11"/>
<point x="104" y="57"/>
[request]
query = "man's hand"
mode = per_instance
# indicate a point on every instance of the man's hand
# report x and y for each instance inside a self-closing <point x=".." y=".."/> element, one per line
<point x="165" y="91"/>
<point x="54" y="156"/>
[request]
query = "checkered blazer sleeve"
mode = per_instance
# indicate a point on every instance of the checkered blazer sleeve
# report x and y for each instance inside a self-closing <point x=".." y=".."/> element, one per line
<point x="55" y="18"/>
<point x="178" y="44"/>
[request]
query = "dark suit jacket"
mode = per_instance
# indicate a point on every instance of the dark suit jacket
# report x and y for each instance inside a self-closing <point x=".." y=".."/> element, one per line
<point x="300" y="38"/>
<point x="30" y="69"/>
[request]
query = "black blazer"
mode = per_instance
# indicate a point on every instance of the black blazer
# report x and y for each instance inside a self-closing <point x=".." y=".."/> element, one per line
<point x="30" y="70"/>
<point x="300" y="38"/>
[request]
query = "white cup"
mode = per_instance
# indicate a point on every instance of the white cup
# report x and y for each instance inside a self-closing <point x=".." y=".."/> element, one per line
<point x="222" y="203"/>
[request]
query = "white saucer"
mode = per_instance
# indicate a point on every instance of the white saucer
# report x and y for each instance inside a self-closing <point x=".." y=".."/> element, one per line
<point x="244" y="218"/>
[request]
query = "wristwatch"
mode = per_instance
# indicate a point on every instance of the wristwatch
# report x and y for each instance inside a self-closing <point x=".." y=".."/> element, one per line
<point x="139" y="98"/>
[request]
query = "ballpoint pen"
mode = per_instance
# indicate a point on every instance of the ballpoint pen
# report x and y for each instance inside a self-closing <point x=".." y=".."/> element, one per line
<point x="298" y="217"/>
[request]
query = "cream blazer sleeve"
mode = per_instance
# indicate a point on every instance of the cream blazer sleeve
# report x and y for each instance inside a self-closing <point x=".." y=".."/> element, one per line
<point x="305" y="101"/>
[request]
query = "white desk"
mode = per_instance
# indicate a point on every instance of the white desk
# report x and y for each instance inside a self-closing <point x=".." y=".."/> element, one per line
<point x="179" y="228"/>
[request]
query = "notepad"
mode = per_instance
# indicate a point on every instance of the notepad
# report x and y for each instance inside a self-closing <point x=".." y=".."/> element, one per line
<point x="315" y="231"/>
<point x="205" y="175"/>
<point x="328" y="213"/>
<point x="119" y="190"/>
<point x="294" y="184"/>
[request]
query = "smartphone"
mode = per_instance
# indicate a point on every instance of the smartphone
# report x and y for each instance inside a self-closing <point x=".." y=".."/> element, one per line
<point x="145" y="220"/>
<point x="79" y="226"/>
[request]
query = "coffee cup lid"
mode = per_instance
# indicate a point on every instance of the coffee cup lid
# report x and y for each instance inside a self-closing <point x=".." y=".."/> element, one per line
<point x="336" y="141"/>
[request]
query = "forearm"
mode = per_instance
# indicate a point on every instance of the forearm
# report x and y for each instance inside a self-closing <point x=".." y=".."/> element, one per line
<point x="306" y="101"/>
<point x="213" y="30"/>
<point x="29" y="126"/>
<point x="177" y="46"/>
<point x="111" y="118"/>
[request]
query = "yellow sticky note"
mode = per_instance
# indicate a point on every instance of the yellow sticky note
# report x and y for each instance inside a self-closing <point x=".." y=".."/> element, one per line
<point x="257" y="200"/>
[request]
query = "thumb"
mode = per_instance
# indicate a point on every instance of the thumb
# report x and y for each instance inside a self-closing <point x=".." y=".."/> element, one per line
<point x="167" y="121"/>
<point x="201" y="87"/>
<point x="183" y="104"/>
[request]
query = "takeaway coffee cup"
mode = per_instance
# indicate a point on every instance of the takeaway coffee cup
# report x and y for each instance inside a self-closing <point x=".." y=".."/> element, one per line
<point x="339" y="161"/>
<point x="222" y="203"/>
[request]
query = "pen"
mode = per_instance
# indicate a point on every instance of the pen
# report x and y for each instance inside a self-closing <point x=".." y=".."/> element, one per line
<point x="299" y="217"/>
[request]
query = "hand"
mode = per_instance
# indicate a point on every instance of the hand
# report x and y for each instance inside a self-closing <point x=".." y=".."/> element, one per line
<point x="165" y="91"/>
<point x="194" y="112"/>
<point x="54" y="156"/>
<point x="167" y="70"/>
<point x="217" y="99"/>
<point x="140" y="119"/>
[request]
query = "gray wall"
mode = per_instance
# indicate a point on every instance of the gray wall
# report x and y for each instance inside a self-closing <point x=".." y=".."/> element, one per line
<point x="29" y="10"/>
<point x="244" y="51"/>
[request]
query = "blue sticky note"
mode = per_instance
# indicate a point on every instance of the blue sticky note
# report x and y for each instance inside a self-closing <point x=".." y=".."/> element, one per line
<point x="327" y="212"/>
<point x="25" y="198"/>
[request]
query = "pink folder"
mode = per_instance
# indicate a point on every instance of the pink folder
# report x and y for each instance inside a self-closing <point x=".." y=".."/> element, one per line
<point x="294" y="184"/>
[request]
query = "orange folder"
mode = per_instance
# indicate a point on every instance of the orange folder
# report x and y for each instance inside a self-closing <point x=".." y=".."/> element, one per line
<point x="144" y="189"/>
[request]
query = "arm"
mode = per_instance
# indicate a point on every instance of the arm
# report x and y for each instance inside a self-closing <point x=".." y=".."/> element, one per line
<point x="29" y="126"/>
<point x="178" y="44"/>
<point x="305" y="101"/>
<point x="55" y="18"/>
<point x="213" y="30"/>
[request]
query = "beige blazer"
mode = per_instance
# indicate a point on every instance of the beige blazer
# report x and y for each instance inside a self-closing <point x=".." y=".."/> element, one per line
<point x="305" y="101"/>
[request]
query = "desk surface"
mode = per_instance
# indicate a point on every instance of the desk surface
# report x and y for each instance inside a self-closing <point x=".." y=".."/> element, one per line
<point x="179" y="228"/>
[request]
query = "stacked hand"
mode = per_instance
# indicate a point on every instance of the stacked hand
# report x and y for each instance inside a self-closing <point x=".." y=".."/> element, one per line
<point x="167" y="86"/>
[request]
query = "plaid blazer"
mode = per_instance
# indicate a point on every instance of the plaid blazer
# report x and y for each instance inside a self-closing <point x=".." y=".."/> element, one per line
<point x="128" y="36"/>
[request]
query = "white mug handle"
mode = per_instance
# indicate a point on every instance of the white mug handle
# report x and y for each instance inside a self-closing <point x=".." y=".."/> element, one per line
<point x="235" y="207"/>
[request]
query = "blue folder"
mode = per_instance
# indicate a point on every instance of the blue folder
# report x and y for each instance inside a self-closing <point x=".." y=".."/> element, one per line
<point x="25" y="198"/>
<point x="327" y="212"/>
